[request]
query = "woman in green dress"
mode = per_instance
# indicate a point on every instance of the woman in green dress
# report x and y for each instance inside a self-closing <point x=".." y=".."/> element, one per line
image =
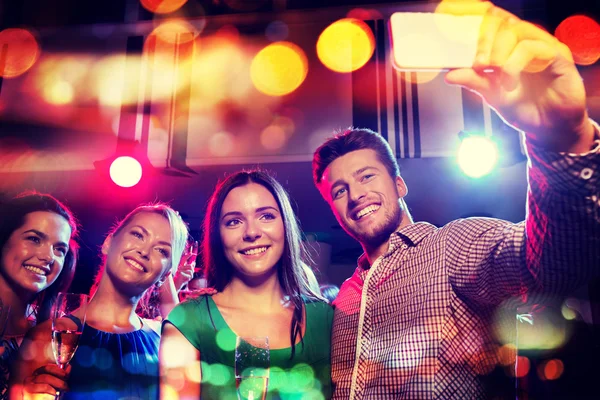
<point x="253" y="259"/>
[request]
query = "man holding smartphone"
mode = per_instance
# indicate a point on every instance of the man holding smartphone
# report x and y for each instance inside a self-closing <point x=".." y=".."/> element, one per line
<point x="415" y="320"/>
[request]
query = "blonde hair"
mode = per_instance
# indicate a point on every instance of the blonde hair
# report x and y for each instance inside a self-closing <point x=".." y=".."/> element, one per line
<point x="179" y="238"/>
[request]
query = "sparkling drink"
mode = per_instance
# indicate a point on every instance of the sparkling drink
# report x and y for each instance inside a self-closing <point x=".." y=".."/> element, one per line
<point x="251" y="387"/>
<point x="64" y="344"/>
<point x="252" y="365"/>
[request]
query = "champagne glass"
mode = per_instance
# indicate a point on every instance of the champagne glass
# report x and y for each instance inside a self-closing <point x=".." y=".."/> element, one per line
<point x="68" y="318"/>
<point x="252" y="367"/>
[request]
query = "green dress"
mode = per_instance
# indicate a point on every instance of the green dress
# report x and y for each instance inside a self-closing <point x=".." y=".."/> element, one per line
<point x="306" y="376"/>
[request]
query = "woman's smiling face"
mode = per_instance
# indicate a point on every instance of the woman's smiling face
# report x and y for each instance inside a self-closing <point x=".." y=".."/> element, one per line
<point x="252" y="231"/>
<point x="34" y="254"/>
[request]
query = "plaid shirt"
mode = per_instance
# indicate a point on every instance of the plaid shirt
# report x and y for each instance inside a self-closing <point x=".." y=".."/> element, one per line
<point x="418" y="323"/>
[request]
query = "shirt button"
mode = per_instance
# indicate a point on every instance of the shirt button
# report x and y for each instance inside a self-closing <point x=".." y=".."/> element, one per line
<point x="586" y="173"/>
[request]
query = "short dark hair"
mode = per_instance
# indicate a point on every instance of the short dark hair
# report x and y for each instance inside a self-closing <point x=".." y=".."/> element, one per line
<point x="12" y="217"/>
<point x="295" y="276"/>
<point x="348" y="140"/>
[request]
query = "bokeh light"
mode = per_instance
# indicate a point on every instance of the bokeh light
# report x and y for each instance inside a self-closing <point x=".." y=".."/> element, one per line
<point x="171" y="354"/>
<point x="507" y="354"/>
<point x="276" y="134"/>
<point x="567" y="312"/>
<point x="110" y="86"/>
<point x="522" y="367"/>
<point x="277" y="378"/>
<point x="174" y="31"/>
<point x="206" y="371"/>
<point x="461" y="7"/>
<point x="582" y="35"/>
<point x="279" y="69"/>
<point x="548" y="330"/>
<point x="225" y="337"/>
<point x="550" y="370"/>
<point x="192" y="372"/>
<point x="364" y="14"/>
<point x="103" y="359"/>
<point x="176" y="378"/>
<point x="477" y="156"/>
<point x="212" y="83"/>
<point x="272" y="137"/>
<point x="59" y="93"/>
<point x="169" y="392"/>
<point x="253" y="388"/>
<point x="285" y="123"/>
<point x="302" y="377"/>
<point x="220" y="375"/>
<point x="162" y="6"/>
<point x="220" y="144"/>
<point x="346" y="45"/>
<point x="19" y="49"/>
<point x="63" y="79"/>
<point x="125" y="171"/>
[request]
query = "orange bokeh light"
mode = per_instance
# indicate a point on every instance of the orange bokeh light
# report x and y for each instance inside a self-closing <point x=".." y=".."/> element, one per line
<point x="507" y="354"/>
<point x="364" y="14"/>
<point x="522" y="367"/>
<point x="173" y="31"/>
<point x="19" y="50"/>
<point x="59" y="92"/>
<point x="551" y="370"/>
<point x="346" y="45"/>
<point x="279" y="69"/>
<point x="212" y="83"/>
<point x="582" y="35"/>
<point x="162" y="6"/>
<point x="273" y="137"/>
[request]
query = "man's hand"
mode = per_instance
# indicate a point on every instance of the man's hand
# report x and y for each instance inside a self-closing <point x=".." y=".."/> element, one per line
<point x="533" y="84"/>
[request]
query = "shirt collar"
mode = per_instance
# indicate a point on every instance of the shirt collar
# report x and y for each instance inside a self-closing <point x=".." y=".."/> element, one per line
<point x="414" y="233"/>
<point x="410" y="234"/>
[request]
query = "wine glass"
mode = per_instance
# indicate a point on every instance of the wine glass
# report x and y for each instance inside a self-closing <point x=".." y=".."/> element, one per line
<point x="252" y="367"/>
<point x="68" y="318"/>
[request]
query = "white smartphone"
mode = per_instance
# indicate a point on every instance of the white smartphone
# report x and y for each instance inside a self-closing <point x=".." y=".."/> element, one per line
<point x="434" y="41"/>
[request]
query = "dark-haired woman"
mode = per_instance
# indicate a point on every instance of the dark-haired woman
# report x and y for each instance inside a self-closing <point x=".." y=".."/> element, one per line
<point x="38" y="255"/>
<point x="253" y="259"/>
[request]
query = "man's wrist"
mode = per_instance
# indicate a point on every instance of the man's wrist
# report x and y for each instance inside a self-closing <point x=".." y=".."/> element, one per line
<point x="579" y="141"/>
<point x="585" y="138"/>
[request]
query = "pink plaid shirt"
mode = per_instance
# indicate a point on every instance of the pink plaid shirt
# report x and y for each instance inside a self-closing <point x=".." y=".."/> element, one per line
<point x="418" y="323"/>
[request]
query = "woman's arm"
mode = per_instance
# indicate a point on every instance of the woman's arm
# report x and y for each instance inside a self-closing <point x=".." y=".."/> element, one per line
<point x="169" y="291"/>
<point x="180" y="373"/>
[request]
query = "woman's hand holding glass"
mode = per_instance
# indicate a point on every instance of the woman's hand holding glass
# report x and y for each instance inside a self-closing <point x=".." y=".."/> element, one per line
<point x="187" y="267"/>
<point x="68" y="319"/>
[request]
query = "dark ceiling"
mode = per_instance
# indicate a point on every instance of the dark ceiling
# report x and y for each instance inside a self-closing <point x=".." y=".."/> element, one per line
<point x="48" y="13"/>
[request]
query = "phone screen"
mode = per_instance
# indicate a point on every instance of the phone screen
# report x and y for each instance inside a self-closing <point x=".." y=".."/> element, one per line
<point x="434" y="41"/>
